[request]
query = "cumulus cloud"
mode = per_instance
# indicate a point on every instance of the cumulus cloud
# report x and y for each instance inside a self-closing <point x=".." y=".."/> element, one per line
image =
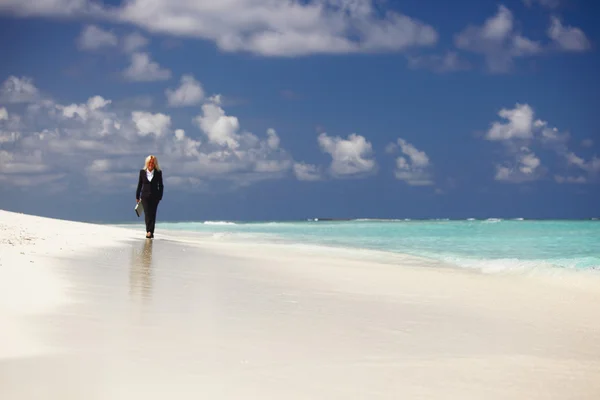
<point x="143" y="69"/>
<point x="83" y="110"/>
<point x="307" y="172"/>
<point x="351" y="157"/>
<point x="60" y="145"/>
<point x="592" y="166"/>
<point x="93" y="37"/>
<point x="519" y="124"/>
<point x="189" y="93"/>
<point x="524" y="167"/>
<point x="220" y="128"/>
<point x="18" y="90"/>
<point x="134" y="42"/>
<point x="520" y="133"/>
<point x="498" y="41"/>
<point x="568" y="38"/>
<point x="414" y="166"/>
<point x="266" y="27"/>
<point x="238" y="152"/>
<point x="272" y="138"/>
<point x="148" y="123"/>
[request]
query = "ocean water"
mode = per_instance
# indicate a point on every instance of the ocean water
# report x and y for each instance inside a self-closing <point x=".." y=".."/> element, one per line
<point x="492" y="245"/>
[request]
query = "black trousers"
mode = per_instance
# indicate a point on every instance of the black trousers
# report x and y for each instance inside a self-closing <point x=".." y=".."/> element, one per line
<point x="150" y="206"/>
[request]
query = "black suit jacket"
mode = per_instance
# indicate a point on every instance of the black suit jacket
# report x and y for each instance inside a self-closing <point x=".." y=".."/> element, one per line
<point x="150" y="189"/>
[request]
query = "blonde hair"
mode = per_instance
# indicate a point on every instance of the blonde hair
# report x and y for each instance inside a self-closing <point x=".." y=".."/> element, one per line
<point x="150" y="157"/>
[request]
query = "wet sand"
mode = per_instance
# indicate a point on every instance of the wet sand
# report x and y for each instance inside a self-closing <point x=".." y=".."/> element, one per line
<point x="99" y="312"/>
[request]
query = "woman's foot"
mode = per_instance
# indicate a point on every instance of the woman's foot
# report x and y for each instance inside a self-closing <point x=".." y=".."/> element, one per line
<point x="148" y="235"/>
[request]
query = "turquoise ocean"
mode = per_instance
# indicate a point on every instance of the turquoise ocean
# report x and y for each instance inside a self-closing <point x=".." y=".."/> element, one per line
<point x="492" y="245"/>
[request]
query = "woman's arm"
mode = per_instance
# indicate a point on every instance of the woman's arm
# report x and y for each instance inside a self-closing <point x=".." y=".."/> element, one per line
<point x="139" y="187"/>
<point x="160" y="186"/>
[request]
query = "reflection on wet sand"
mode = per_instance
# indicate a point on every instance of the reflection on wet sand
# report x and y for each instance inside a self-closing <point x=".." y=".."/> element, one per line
<point x="140" y="275"/>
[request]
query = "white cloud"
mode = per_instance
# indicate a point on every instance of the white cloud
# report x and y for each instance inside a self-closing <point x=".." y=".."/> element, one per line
<point x="266" y="27"/>
<point x="54" y="8"/>
<point x="543" y="3"/>
<point x="417" y="158"/>
<point x="51" y="142"/>
<point x="93" y="37"/>
<point x="307" y="172"/>
<point x="350" y="157"/>
<point x="592" y="166"/>
<point x="232" y="153"/>
<point x="570" y="179"/>
<point x="83" y="110"/>
<point x="27" y="162"/>
<point x="572" y="158"/>
<point x="521" y="46"/>
<point x="97" y="102"/>
<point x="499" y="26"/>
<point x="143" y="69"/>
<point x="18" y="90"/>
<point x="284" y="28"/>
<point x="100" y="165"/>
<point x="273" y="139"/>
<point x="179" y="134"/>
<point x="520" y="134"/>
<point x="449" y="62"/>
<point x="498" y="41"/>
<point x="220" y="128"/>
<point x="519" y="125"/>
<point x="523" y="164"/>
<point x="3" y="114"/>
<point x="568" y="38"/>
<point x="134" y="42"/>
<point x="525" y="167"/>
<point x="189" y="93"/>
<point x="412" y="168"/>
<point x="529" y="163"/>
<point x="148" y="123"/>
<point x="59" y="145"/>
<point x="550" y="135"/>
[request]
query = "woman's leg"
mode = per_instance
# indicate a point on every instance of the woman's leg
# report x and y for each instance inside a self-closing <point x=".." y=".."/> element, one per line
<point x="147" y="204"/>
<point x="153" y="209"/>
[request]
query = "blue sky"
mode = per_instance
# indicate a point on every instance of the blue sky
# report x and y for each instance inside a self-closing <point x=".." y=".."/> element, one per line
<point x="260" y="109"/>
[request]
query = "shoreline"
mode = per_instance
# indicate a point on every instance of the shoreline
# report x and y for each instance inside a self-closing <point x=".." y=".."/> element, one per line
<point x="273" y="242"/>
<point x="189" y="317"/>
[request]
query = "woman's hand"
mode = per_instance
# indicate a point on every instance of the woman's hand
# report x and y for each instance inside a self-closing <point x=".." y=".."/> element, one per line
<point x="137" y="201"/>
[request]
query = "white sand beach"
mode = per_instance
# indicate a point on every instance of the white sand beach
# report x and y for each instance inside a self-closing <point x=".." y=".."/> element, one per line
<point x="99" y="312"/>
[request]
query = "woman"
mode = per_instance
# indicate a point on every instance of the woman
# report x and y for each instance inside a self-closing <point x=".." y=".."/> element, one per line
<point x="150" y="192"/>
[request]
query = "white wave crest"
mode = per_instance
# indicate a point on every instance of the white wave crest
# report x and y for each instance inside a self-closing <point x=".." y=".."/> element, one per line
<point x="493" y="220"/>
<point x="219" y="223"/>
<point x="518" y="266"/>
